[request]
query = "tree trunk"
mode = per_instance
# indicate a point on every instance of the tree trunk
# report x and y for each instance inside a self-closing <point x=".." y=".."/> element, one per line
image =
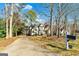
<point x="65" y="24"/>
<point x="51" y="11"/>
<point x="7" y="30"/>
<point x="16" y="33"/>
<point x="59" y="20"/>
<point x="75" y="25"/>
<point x="38" y="29"/>
<point x="11" y="20"/>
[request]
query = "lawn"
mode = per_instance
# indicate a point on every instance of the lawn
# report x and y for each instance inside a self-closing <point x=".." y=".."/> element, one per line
<point x="57" y="45"/>
<point x="52" y="44"/>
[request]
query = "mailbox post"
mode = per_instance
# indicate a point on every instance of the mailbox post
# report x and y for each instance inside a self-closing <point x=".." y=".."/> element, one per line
<point x="67" y="45"/>
<point x="68" y="38"/>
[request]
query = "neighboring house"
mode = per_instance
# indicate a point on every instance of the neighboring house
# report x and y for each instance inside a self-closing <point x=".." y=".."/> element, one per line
<point x="41" y="29"/>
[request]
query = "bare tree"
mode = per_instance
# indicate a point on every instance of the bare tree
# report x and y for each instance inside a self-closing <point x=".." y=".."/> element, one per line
<point x="58" y="22"/>
<point x="11" y="18"/>
<point x="48" y="7"/>
<point x="6" y="18"/>
<point x="51" y="14"/>
<point x="74" y="26"/>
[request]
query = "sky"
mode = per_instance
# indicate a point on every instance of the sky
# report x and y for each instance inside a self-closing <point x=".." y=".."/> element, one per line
<point x="1" y="7"/>
<point x="29" y="6"/>
<point x="38" y="8"/>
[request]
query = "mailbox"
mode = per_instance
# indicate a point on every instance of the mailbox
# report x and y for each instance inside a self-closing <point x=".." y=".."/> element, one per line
<point x="71" y="37"/>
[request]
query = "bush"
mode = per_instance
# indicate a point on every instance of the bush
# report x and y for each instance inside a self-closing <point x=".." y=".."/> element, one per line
<point x="2" y="33"/>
